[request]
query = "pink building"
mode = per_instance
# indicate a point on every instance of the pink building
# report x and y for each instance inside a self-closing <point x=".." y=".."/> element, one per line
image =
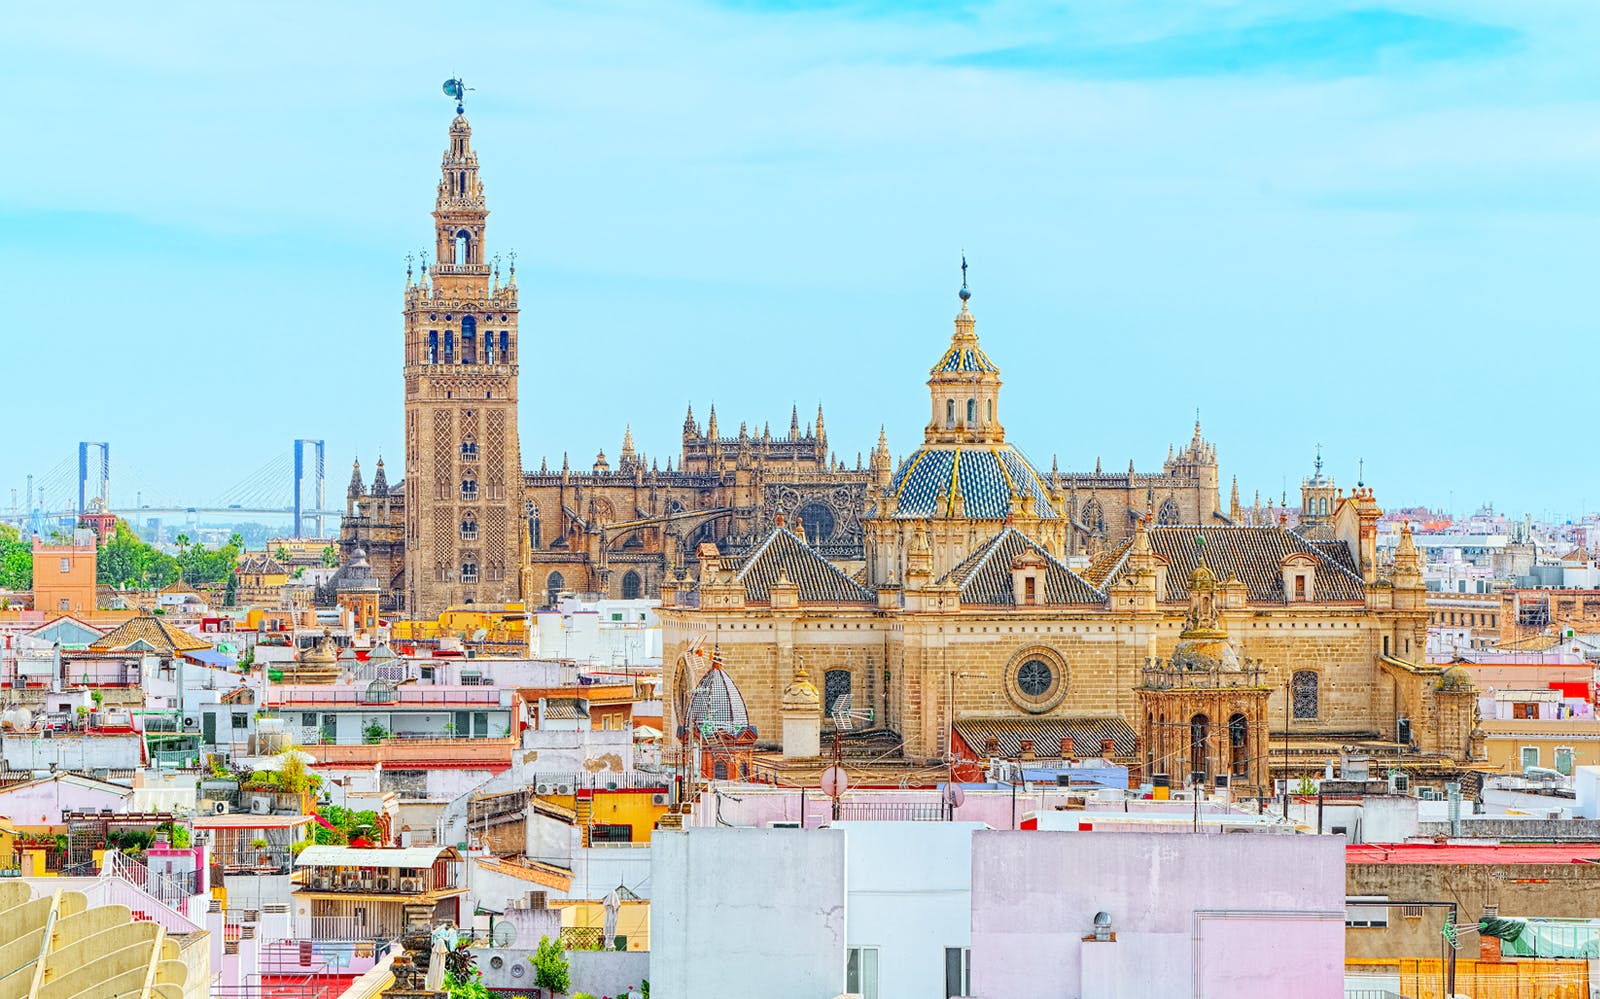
<point x="1096" y="915"/>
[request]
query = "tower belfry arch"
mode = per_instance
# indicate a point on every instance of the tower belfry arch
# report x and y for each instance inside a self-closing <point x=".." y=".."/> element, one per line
<point x="464" y="504"/>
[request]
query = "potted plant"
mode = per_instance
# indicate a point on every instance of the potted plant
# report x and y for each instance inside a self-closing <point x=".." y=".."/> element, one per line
<point x="98" y="698"/>
<point x="260" y="846"/>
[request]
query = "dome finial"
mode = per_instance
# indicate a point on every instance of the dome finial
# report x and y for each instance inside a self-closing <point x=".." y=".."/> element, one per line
<point x="964" y="294"/>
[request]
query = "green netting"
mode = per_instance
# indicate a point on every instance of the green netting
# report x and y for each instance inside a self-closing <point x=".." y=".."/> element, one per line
<point x="1569" y="938"/>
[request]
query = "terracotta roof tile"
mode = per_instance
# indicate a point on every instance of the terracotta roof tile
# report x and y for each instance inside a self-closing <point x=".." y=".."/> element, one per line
<point x="1087" y="734"/>
<point x="816" y="579"/>
<point x="158" y="634"/>
<point x="985" y="575"/>
<point x="1253" y="555"/>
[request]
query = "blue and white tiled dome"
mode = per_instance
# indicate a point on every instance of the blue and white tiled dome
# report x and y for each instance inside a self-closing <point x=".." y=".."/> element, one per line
<point x="989" y="476"/>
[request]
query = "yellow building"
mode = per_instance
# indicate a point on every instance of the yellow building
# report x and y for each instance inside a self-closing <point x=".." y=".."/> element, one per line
<point x="504" y="624"/>
<point x="1553" y="744"/>
<point x="583" y="921"/>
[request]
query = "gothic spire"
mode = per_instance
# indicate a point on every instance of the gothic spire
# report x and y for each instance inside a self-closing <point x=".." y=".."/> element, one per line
<point x="711" y="423"/>
<point x="380" y="482"/>
<point x="356" y="486"/>
<point x="794" y="422"/>
<point x="821" y="434"/>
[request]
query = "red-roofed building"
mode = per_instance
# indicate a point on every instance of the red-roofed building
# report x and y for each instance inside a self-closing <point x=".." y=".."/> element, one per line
<point x="1549" y="879"/>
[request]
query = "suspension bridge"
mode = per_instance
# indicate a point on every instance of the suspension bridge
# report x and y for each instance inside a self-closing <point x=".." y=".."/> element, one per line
<point x="292" y="484"/>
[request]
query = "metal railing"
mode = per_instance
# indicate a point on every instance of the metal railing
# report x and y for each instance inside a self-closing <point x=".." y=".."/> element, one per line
<point x="891" y="811"/>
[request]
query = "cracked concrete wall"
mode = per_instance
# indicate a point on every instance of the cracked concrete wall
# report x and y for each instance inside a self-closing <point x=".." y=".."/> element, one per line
<point x="748" y="912"/>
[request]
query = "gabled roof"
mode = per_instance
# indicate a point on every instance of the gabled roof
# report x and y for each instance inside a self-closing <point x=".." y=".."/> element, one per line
<point x="1253" y="555"/>
<point x="1338" y="551"/>
<point x="262" y="564"/>
<point x="64" y="626"/>
<point x="985" y="575"/>
<point x="155" y="633"/>
<point x="816" y="579"/>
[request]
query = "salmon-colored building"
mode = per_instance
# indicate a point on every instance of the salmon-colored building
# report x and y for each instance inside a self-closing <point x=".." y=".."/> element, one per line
<point x="63" y="575"/>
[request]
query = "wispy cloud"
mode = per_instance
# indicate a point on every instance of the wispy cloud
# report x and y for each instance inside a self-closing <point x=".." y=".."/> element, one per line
<point x="1348" y="43"/>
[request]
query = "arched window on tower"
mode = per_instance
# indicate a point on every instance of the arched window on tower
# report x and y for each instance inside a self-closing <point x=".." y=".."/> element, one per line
<point x="433" y="346"/>
<point x="991" y="410"/>
<point x="505" y="347"/>
<point x="1199" y="745"/>
<point x="631" y="585"/>
<point x="449" y="347"/>
<point x="972" y="412"/>
<point x="1239" y="744"/>
<point x="533" y="526"/>
<point x="949" y="412"/>
<point x="552" y="588"/>
<point x="463" y="245"/>
<point x="469" y="340"/>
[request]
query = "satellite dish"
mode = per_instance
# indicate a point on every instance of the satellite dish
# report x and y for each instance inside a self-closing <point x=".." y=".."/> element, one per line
<point x="834" y="782"/>
<point x="954" y="795"/>
<point x="504" y="935"/>
<point x="480" y="634"/>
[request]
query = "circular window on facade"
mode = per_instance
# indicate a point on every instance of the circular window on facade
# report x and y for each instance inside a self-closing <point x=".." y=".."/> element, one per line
<point x="1036" y="679"/>
<point x="817" y="519"/>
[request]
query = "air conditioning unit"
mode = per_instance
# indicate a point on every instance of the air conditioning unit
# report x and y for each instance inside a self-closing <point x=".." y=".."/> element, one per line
<point x="191" y="721"/>
<point x="611" y="785"/>
<point x="220" y="808"/>
<point x="1427" y="794"/>
<point x="351" y="881"/>
<point x="411" y="885"/>
<point x="564" y="789"/>
<point x="544" y="789"/>
<point x="260" y="806"/>
<point x="658" y="799"/>
<point x="322" y="882"/>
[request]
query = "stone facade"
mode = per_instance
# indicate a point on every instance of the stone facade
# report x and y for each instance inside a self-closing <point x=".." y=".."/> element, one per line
<point x="968" y="617"/>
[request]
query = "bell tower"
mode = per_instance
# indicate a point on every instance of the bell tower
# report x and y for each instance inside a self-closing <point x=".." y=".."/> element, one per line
<point x="463" y="486"/>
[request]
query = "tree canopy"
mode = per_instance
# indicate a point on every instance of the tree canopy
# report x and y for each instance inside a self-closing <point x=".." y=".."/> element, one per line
<point x="16" y="560"/>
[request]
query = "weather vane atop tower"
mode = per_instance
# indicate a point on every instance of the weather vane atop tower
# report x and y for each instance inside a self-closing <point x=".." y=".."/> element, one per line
<point x="457" y="88"/>
<point x="964" y="293"/>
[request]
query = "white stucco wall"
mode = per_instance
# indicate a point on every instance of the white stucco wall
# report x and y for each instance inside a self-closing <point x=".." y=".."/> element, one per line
<point x="909" y="895"/>
<point x="748" y="912"/>
<point x="1231" y="915"/>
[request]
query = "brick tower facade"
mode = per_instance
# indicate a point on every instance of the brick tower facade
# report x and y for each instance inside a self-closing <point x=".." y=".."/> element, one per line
<point x="463" y="484"/>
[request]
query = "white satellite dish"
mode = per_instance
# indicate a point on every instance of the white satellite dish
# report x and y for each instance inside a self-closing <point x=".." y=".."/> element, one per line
<point x="504" y="935"/>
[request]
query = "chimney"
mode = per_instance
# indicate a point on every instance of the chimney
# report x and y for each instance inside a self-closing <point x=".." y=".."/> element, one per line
<point x="1026" y="752"/>
<point x="1108" y="748"/>
<point x="1066" y="747"/>
<point x="991" y="747"/>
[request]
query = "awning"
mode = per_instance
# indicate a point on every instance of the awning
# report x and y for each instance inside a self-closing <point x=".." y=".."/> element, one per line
<point x="416" y="857"/>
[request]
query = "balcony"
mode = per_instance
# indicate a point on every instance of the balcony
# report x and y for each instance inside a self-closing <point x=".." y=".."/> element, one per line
<point x="403" y="697"/>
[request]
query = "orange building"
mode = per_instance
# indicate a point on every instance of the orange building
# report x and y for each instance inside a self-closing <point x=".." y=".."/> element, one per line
<point x="63" y="575"/>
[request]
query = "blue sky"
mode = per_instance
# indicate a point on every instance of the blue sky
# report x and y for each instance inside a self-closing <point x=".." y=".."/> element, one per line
<point x="1370" y="226"/>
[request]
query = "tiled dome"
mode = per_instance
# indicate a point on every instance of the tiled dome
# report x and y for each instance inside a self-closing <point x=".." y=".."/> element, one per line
<point x="989" y="476"/>
<point x="716" y="703"/>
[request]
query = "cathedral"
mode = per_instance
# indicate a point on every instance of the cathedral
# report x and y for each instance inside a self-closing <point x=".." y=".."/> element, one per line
<point x="973" y="631"/>
<point x="961" y="600"/>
